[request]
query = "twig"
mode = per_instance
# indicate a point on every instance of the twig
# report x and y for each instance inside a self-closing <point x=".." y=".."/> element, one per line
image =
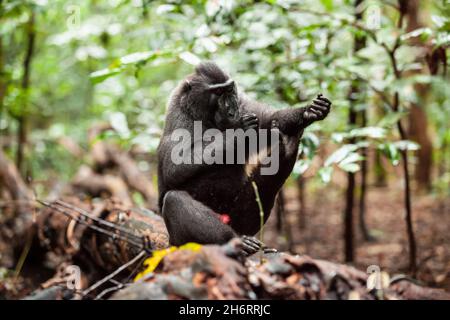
<point x="261" y="217"/>
<point x="111" y="289"/>
<point x="113" y="274"/>
<point x="139" y="245"/>
<point x="98" y="220"/>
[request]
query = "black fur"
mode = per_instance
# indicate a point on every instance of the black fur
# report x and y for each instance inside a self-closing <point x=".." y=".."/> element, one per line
<point x="192" y="196"/>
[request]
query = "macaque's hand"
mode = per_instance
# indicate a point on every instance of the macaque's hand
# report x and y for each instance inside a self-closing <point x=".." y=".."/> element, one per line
<point x="317" y="110"/>
<point x="249" y="121"/>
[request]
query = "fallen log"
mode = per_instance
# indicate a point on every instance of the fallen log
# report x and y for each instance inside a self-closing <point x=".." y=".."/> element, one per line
<point x="16" y="217"/>
<point x="111" y="238"/>
<point x="109" y="233"/>
<point x="218" y="272"/>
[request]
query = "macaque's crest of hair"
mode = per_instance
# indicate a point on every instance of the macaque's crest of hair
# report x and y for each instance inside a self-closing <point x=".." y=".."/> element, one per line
<point x="211" y="72"/>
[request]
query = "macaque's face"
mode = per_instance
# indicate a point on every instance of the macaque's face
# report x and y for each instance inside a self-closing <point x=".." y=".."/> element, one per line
<point x="224" y="99"/>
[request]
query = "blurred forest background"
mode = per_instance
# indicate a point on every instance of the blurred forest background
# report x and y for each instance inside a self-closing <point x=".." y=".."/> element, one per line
<point x="372" y="181"/>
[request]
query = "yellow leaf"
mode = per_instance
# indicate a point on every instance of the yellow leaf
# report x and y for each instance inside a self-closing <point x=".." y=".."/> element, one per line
<point x="157" y="255"/>
<point x="190" y="246"/>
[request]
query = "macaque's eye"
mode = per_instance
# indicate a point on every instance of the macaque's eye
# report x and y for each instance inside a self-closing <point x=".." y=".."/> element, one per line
<point x="217" y="92"/>
<point x="230" y="89"/>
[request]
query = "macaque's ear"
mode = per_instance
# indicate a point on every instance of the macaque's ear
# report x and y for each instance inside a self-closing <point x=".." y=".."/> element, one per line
<point x="221" y="88"/>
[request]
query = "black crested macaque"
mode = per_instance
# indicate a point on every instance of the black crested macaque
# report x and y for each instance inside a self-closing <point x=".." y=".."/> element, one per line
<point x="212" y="203"/>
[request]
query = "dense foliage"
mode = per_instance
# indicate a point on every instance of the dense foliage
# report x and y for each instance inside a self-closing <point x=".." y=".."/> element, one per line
<point x="119" y="60"/>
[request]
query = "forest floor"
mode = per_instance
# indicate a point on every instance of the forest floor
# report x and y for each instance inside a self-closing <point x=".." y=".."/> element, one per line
<point x="322" y="238"/>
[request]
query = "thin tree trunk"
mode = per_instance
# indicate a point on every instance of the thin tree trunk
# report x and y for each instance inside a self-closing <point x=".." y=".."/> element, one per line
<point x="380" y="172"/>
<point x="418" y="123"/>
<point x="280" y="212"/>
<point x="349" y="204"/>
<point x="362" y="196"/>
<point x="2" y="93"/>
<point x="282" y="226"/>
<point x="2" y="80"/>
<point x="23" y="117"/>
<point x="404" y="7"/>
<point x="407" y="199"/>
<point x="350" y="194"/>
<point x="301" y="185"/>
<point x="354" y="94"/>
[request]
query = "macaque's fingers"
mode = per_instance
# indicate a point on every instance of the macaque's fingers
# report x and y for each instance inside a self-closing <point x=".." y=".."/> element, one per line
<point x="253" y="245"/>
<point x="249" y="116"/>
<point x="321" y="103"/>
<point x="248" y="251"/>
<point x="321" y="97"/>
<point x="253" y="240"/>
<point x="315" y="113"/>
<point x="320" y="114"/>
<point x="251" y="125"/>
<point x="319" y="107"/>
<point x="270" y="250"/>
<point x="249" y="246"/>
<point x="249" y="121"/>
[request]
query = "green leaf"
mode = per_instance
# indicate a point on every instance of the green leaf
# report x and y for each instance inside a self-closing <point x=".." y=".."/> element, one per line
<point x="136" y="57"/>
<point x="391" y="152"/>
<point x="390" y="119"/>
<point x="300" y="167"/>
<point x="407" y="145"/>
<point x="369" y="132"/>
<point x="309" y="144"/>
<point x="340" y="154"/>
<point x="338" y="137"/>
<point x="424" y="33"/>
<point x="352" y="157"/>
<point x="349" y="167"/>
<point x="102" y="75"/>
<point x="325" y="174"/>
<point x="328" y="4"/>
<point x="190" y="58"/>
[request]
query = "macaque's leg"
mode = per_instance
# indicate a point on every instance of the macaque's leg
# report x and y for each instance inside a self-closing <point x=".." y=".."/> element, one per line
<point x="189" y="220"/>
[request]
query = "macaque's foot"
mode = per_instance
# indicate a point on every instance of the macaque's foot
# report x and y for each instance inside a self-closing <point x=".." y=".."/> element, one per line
<point x="317" y="110"/>
<point x="249" y="121"/>
<point x="251" y="245"/>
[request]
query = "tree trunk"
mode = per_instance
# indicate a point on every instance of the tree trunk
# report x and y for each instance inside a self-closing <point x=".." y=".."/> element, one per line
<point x="22" y="118"/>
<point x="2" y="81"/>
<point x="408" y="209"/>
<point x="354" y="95"/>
<point x="301" y="185"/>
<point x="418" y="123"/>
<point x="362" y="195"/>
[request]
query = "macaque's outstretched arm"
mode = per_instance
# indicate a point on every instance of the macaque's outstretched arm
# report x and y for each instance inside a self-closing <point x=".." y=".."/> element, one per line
<point x="291" y="121"/>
